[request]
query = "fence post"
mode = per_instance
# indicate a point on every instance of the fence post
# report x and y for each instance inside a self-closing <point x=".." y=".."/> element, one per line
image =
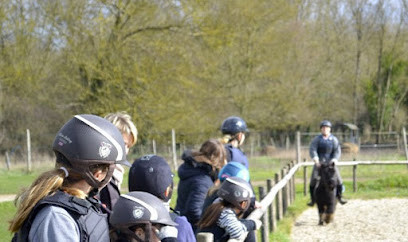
<point x="272" y="224"/>
<point x="293" y="183"/>
<point x="298" y="155"/>
<point x="284" y="193"/>
<point x="205" y="237"/>
<point x="278" y="200"/>
<point x="404" y="138"/>
<point x="290" y="191"/>
<point x="173" y="141"/>
<point x="7" y="161"/>
<point x="154" y="146"/>
<point x="305" y="180"/>
<point x="264" y="219"/>
<point x="354" y="178"/>
<point x="28" y="151"/>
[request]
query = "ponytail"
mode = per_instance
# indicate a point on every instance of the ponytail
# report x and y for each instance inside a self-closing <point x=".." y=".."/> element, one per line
<point x="46" y="184"/>
<point x="211" y="215"/>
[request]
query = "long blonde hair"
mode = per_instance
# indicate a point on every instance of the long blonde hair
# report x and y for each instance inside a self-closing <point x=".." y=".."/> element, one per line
<point x="46" y="184"/>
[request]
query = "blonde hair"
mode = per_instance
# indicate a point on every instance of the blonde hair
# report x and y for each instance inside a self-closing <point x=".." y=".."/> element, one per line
<point x="226" y="138"/>
<point x="124" y="123"/>
<point x="45" y="185"/>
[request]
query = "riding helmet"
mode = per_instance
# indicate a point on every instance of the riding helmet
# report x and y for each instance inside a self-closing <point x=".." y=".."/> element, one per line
<point x="233" y="125"/>
<point x="88" y="140"/>
<point x="325" y="123"/>
<point x="235" y="190"/>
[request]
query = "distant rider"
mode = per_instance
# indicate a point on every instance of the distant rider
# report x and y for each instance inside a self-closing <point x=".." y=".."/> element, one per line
<point x="325" y="148"/>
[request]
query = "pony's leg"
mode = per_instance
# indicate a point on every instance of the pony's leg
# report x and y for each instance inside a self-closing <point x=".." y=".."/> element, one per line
<point x="329" y="218"/>
<point x="321" y="218"/>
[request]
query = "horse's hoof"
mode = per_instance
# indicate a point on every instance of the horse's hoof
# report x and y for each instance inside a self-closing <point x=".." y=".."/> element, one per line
<point x="320" y="223"/>
<point x="342" y="202"/>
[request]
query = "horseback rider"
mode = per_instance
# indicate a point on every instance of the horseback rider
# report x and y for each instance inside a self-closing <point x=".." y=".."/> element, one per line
<point x="325" y="148"/>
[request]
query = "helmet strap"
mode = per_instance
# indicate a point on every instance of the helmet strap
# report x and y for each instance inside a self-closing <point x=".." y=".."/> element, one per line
<point x="93" y="192"/>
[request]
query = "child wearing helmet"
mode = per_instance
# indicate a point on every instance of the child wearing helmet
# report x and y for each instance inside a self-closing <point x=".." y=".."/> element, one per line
<point x="222" y="217"/>
<point x="231" y="169"/>
<point x="141" y="216"/>
<point x="197" y="174"/>
<point x="233" y="129"/>
<point x="111" y="192"/>
<point x="60" y="204"/>
<point x="152" y="174"/>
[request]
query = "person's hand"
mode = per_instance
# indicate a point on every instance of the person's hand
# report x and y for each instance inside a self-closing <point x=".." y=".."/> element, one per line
<point x="257" y="204"/>
<point x="258" y="223"/>
<point x="318" y="165"/>
<point x="167" y="232"/>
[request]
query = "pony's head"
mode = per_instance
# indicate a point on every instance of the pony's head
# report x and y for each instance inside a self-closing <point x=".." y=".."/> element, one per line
<point x="328" y="175"/>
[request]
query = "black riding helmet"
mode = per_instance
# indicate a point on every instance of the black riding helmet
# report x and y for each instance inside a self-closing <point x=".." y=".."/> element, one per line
<point x="233" y="125"/>
<point x="235" y="190"/>
<point x="139" y="208"/>
<point x="88" y="140"/>
<point x="325" y="123"/>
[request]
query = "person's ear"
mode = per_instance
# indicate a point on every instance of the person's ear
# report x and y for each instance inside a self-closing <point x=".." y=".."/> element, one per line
<point x="100" y="175"/>
<point x="167" y="191"/>
<point x="244" y="204"/>
<point x="140" y="233"/>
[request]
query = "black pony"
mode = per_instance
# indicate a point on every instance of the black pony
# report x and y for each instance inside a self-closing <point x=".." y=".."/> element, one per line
<point x="325" y="192"/>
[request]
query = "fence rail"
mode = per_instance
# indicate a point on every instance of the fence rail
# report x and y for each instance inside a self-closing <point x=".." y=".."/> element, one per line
<point x="287" y="184"/>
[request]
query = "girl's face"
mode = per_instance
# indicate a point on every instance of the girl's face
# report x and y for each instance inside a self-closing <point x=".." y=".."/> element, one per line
<point x="241" y="142"/>
<point x="155" y="228"/>
<point x="128" y="138"/>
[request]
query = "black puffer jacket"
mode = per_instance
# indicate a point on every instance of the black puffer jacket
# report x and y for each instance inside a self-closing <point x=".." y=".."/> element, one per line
<point x="195" y="180"/>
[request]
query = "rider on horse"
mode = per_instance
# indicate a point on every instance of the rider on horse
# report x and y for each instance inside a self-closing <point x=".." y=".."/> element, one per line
<point x="325" y="148"/>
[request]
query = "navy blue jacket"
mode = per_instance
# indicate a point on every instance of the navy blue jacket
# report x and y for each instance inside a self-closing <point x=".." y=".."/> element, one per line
<point x="235" y="154"/>
<point x="195" y="180"/>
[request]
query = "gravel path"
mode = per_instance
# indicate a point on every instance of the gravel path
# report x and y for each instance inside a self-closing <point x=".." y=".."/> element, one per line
<point x="358" y="220"/>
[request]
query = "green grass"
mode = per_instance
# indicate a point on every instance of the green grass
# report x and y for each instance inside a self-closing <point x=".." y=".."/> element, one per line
<point x="7" y="211"/>
<point x="13" y="181"/>
<point x="373" y="182"/>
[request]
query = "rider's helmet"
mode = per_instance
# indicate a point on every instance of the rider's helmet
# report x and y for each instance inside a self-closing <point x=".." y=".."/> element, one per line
<point x="325" y="123"/>
<point x="233" y="169"/>
<point x="87" y="141"/>
<point x="139" y="209"/>
<point x="152" y="174"/>
<point x="236" y="190"/>
<point x="233" y="125"/>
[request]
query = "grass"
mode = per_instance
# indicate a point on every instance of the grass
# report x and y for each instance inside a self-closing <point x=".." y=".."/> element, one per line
<point x="7" y="211"/>
<point x="374" y="182"/>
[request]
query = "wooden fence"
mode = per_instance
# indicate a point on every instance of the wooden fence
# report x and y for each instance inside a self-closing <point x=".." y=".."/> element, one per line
<point x="281" y="193"/>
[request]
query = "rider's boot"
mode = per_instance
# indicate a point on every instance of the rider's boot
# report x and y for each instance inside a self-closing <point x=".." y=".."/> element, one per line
<point x="312" y="197"/>
<point x="339" y="194"/>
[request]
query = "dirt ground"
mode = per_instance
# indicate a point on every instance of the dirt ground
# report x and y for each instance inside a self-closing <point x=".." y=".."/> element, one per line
<point x="358" y="220"/>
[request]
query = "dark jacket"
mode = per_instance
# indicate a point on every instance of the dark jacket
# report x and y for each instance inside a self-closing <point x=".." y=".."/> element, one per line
<point x="235" y="154"/>
<point x="195" y="180"/>
<point x="221" y="236"/>
<point x="109" y="195"/>
<point x="92" y="223"/>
